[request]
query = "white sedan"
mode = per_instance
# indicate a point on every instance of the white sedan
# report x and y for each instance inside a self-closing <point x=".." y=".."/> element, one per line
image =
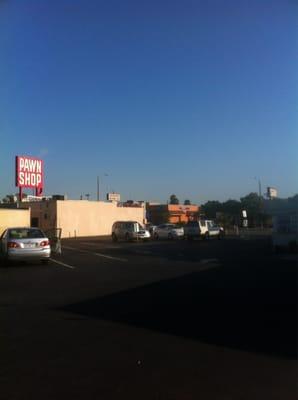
<point x="168" y="231"/>
<point x="25" y="244"/>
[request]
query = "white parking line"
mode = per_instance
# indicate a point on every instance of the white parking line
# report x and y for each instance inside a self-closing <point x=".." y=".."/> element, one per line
<point x="61" y="263"/>
<point x="97" y="245"/>
<point x="95" y="254"/>
<point x="110" y="257"/>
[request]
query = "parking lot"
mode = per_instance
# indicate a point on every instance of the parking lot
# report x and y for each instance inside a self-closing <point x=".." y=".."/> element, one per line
<point x="155" y="320"/>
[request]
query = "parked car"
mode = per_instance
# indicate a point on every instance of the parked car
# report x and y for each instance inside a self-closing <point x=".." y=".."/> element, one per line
<point x="25" y="244"/>
<point x="204" y="229"/>
<point x="129" y="230"/>
<point x="168" y="231"/>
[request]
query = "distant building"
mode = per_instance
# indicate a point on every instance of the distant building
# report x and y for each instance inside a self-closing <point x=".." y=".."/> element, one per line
<point x="13" y="217"/>
<point x="172" y="213"/>
<point x="271" y="193"/>
<point x="81" y="217"/>
<point x="113" y="197"/>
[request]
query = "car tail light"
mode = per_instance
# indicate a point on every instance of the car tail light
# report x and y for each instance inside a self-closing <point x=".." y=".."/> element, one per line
<point x="44" y="243"/>
<point x="13" y="245"/>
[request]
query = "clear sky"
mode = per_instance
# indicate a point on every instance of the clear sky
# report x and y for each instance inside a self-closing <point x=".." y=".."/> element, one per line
<point x="190" y="97"/>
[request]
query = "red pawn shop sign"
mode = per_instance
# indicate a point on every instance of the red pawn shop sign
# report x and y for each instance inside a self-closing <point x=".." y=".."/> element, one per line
<point x="29" y="173"/>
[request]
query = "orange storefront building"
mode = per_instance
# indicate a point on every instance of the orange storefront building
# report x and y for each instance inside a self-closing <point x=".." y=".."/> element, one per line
<point x="172" y="213"/>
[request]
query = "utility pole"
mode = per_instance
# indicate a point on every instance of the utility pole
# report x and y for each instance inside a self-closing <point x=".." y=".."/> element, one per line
<point x="97" y="188"/>
<point x="260" y="188"/>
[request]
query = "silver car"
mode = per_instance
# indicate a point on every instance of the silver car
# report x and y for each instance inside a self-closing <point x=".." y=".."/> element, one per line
<point x="25" y="244"/>
<point x="168" y="231"/>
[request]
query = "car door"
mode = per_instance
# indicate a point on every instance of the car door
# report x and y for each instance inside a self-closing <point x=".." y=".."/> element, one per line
<point x="128" y="230"/>
<point x="120" y="230"/>
<point x="3" y="241"/>
<point x="54" y="236"/>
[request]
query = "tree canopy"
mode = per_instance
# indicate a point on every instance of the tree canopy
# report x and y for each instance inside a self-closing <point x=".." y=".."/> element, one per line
<point x="174" y="199"/>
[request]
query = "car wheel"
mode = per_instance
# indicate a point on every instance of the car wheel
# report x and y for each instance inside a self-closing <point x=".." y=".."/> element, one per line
<point x="156" y="236"/>
<point x="170" y="236"/>
<point x="206" y="236"/>
<point x="127" y="238"/>
<point x="114" y="237"/>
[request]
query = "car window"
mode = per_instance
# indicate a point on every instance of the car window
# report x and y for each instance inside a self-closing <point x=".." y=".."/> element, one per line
<point x="23" y="233"/>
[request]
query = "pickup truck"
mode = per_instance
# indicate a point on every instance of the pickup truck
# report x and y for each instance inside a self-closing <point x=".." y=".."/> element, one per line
<point x="204" y="229"/>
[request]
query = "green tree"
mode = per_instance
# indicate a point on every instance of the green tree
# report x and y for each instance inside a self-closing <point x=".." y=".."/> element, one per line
<point x="9" y="198"/>
<point x="210" y="209"/>
<point x="174" y="199"/>
<point x="187" y="202"/>
<point x="251" y="202"/>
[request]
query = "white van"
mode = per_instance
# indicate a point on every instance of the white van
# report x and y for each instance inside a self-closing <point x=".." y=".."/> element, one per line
<point x="129" y="230"/>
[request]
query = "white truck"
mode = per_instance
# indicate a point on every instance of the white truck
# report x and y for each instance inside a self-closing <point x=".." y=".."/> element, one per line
<point x="203" y="229"/>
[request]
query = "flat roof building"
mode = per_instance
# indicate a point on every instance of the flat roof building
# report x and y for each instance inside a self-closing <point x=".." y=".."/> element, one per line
<point x="81" y="217"/>
<point x="173" y="213"/>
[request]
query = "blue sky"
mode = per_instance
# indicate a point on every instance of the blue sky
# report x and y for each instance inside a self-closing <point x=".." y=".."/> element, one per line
<point x="188" y="97"/>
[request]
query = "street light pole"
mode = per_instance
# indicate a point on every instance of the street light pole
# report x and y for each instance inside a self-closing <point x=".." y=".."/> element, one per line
<point x="259" y="185"/>
<point x="97" y="188"/>
<point x="98" y="184"/>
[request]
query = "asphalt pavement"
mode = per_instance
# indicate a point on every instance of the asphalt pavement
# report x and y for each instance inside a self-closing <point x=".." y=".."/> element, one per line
<point x="212" y="319"/>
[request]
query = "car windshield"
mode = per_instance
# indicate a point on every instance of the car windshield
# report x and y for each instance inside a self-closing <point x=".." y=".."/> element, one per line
<point x="23" y="233"/>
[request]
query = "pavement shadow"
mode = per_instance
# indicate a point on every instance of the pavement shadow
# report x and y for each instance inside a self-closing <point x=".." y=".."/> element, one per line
<point x="251" y="311"/>
<point x="19" y="264"/>
<point x="194" y="251"/>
